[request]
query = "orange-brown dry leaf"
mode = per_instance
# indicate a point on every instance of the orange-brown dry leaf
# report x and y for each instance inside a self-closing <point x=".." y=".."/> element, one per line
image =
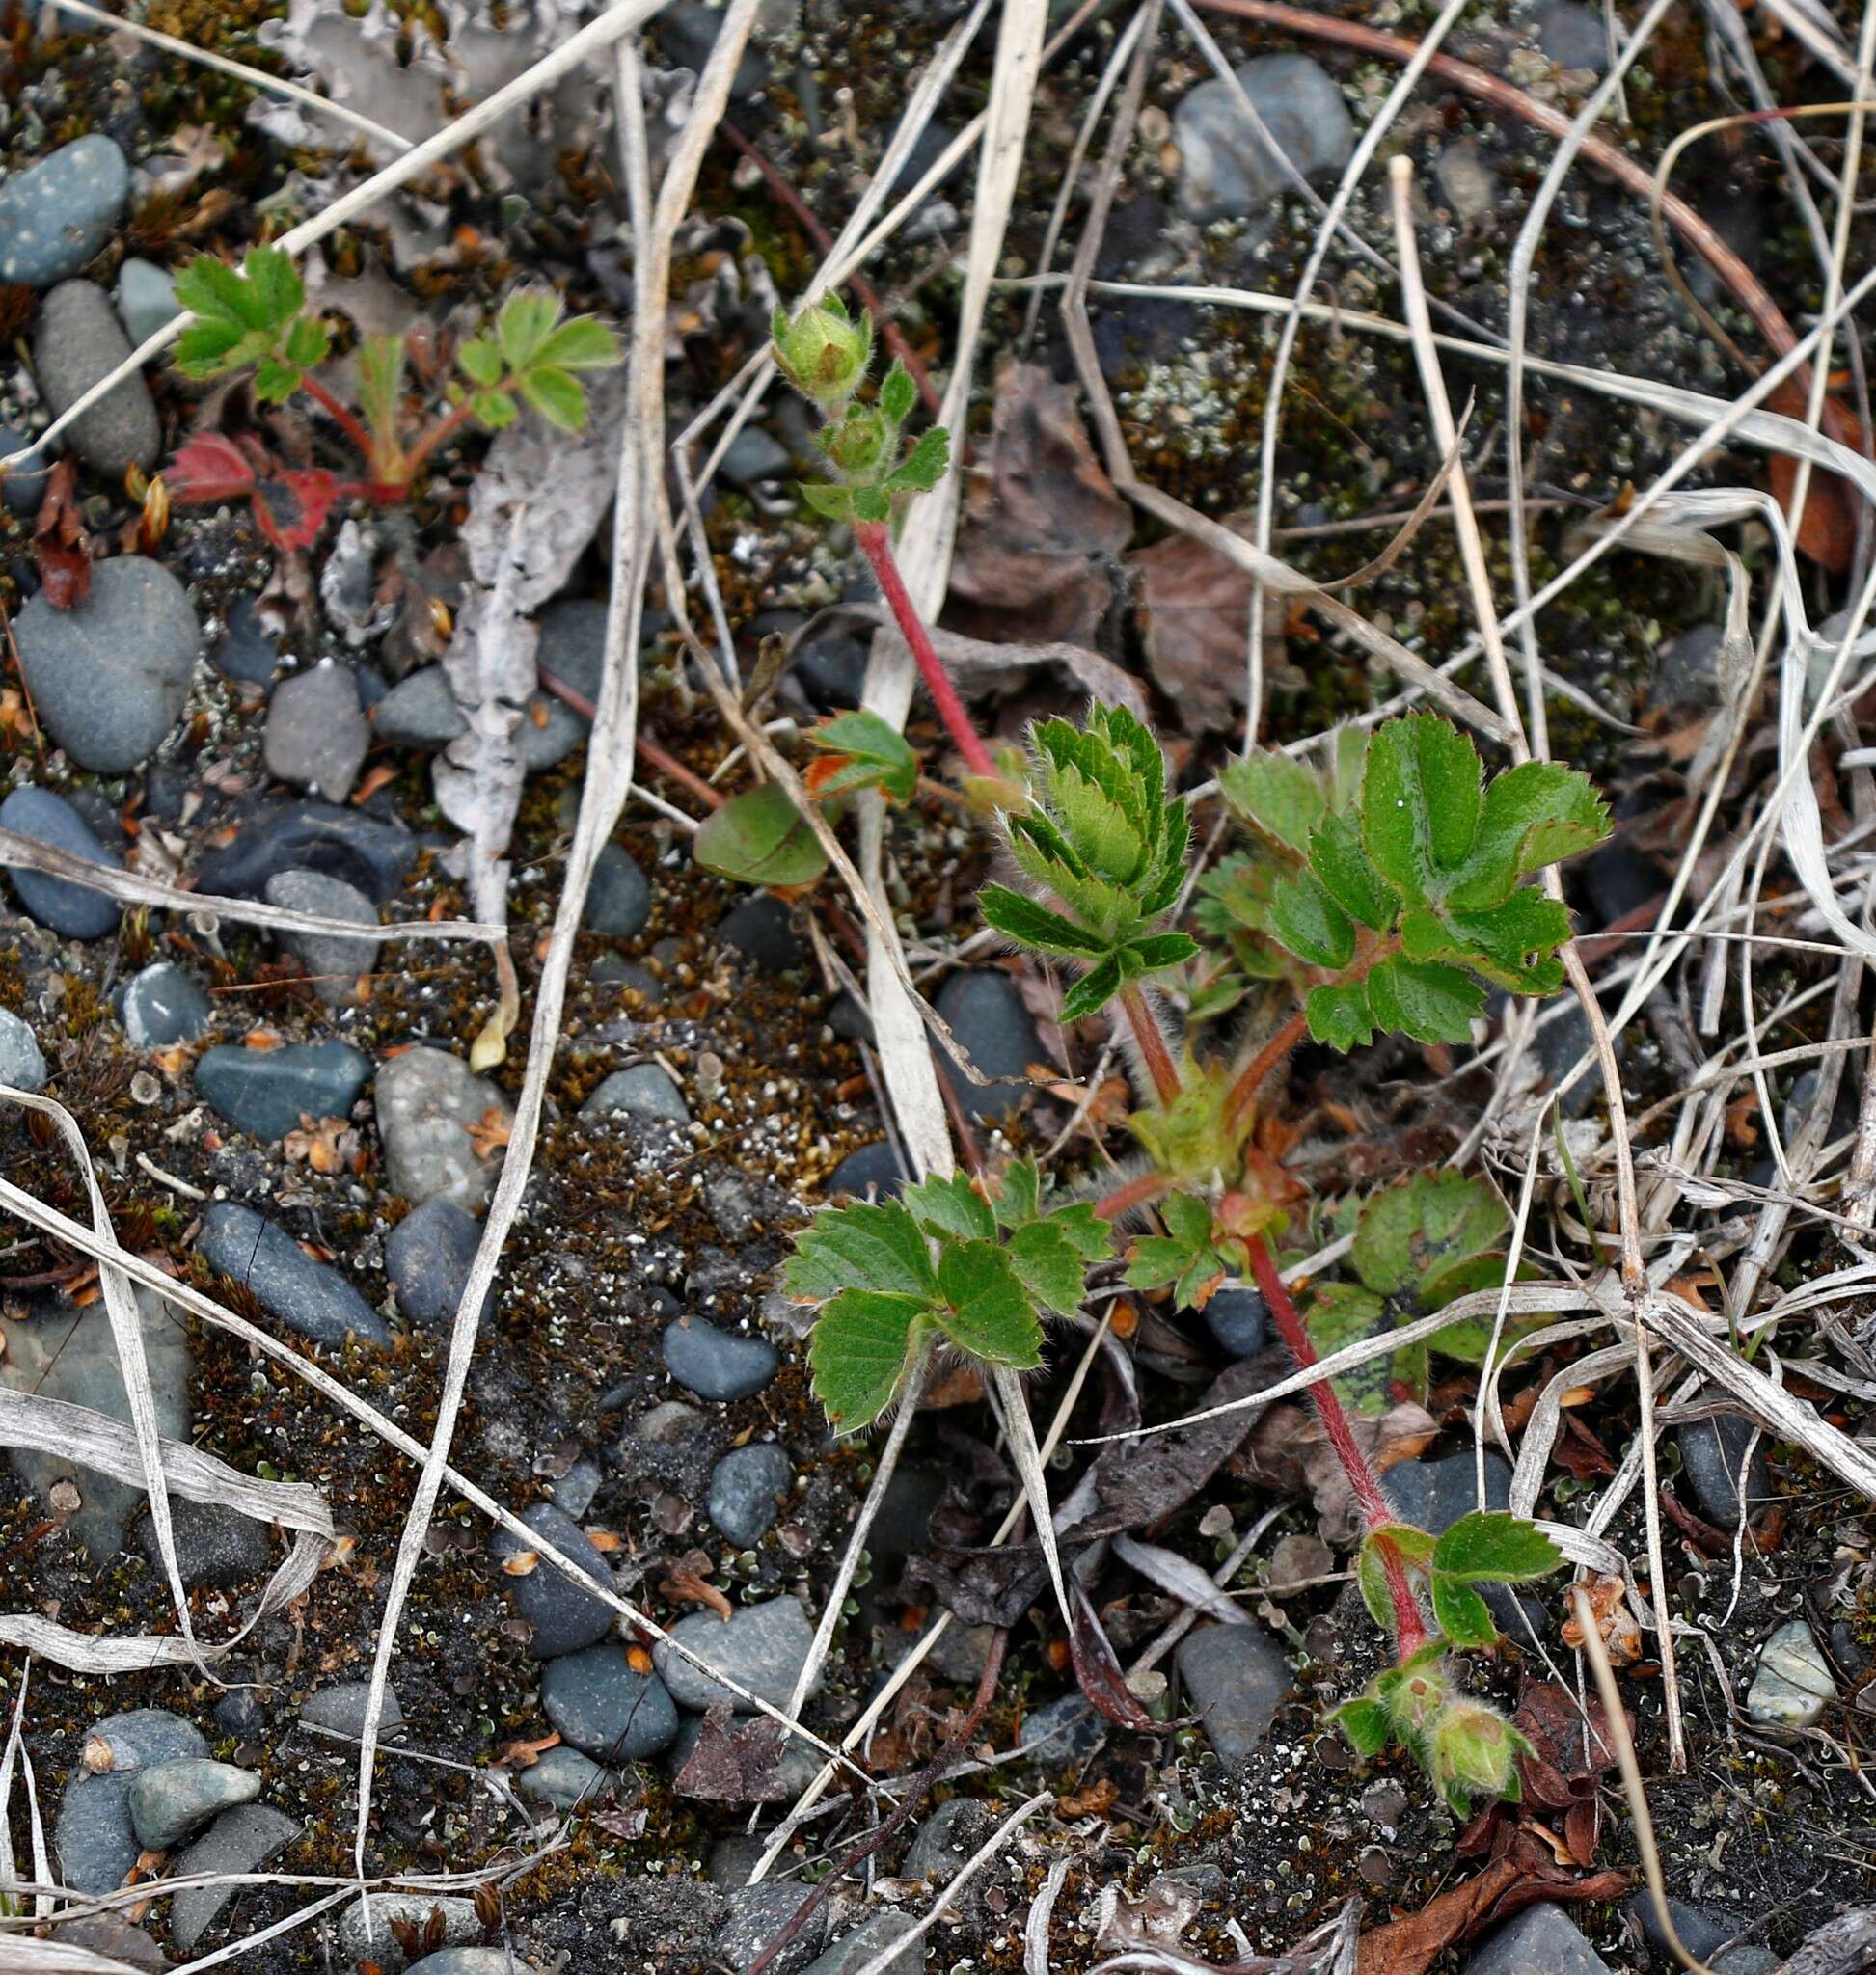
<point x="262" y="1038"/>
<point x="523" y="1563"/>
<point x="689" y="1588"/>
<point x="490" y="1134"/>
<point x="1621" y="1633"/>
<point x="523" y="1755"/>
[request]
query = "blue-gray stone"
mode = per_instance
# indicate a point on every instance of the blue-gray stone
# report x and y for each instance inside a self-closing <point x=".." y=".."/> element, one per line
<point x="422" y="711"/>
<point x="430" y="1106"/>
<point x="24" y="485"/>
<point x="341" y="1709"/>
<point x="94" y="1839"/>
<point x="945" y="1839"/>
<point x="564" y="1778"/>
<point x="573" y="646"/>
<point x="605" y="1709"/>
<point x="364" y="1932"/>
<point x="756" y="1915"/>
<point x="870" y="1939"/>
<point x="214" y="1545"/>
<point x="110" y="678"/>
<point x="764" y="932"/>
<point x="311" y="836"/>
<point x="645" y="1092"/>
<point x="576" y="1489"/>
<point x="832" y="670"/>
<point x="168" y="1800"/>
<point x="316" y="734"/>
<point x="471" y="1961"/>
<point x="79" y="342"/>
<point x="1713" y="1458"/>
<point x="715" y="1365"/>
<point x="870" y="1172"/>
<point x="306" y="1295"/>
<point x="618" y="903"/>
<point x="427" y="1256"/>
<point x="242" y="1713"/>
<point x="248" y="651"/>
<point x="983" y="1007"/>
<point x="266" y="1092"/>
<point x="1234" y="1681"/>
<point x="1227" y="169"/>
<point x="1238" y="1320"/>
<point x="1571" y="35"/>
<point x="238" y="1841"/>
<point x="686" y="34"/>
<point x="57" y="214"/>
<point x="565" y="1616"/>
<point x="335" y="961"/>
<point x="1793" y="1684"/>
<point x="56" y="902"/>
<point x="146" y="299"/>
<point x="761" y="1647"/>
<point x="1061" y="1733"/>
<point x="161" y="1005"/>
<point x="1705" y="1931"/>
<point x="753" y="456"/>
<point x="1543" y="1940"/>
<point x="23" y="1063"/>
<point x="744" y="1491"/>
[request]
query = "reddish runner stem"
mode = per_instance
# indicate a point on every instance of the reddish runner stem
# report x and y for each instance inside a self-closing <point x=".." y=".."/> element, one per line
<point x="1137" y="1193"/>
<point x="876" y="544"/>
<point x="1267" y="1059"/>
<point x="1377" y="1512"/>
<point x="343" y="414"/>
<point x="445" y="428"/>
<point x="648" y="749"/>
<point x="1152" y="1038"/>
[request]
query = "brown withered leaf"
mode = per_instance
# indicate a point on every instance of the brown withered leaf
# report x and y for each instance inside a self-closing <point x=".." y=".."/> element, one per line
<point x="60" y="545"/>
<point x="687" y="1587"/>
<point x="1042" y="521"/>
<point x="1412" y="1944"/>
<point x="734" y="1765"/>
<point x="1195" y="612"/>
<point x="1621" y="1632"/>
<point x="1827" y="529"/>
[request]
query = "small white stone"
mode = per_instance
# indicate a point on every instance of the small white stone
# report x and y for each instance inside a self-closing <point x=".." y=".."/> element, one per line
<point x="1793" y="1685"/>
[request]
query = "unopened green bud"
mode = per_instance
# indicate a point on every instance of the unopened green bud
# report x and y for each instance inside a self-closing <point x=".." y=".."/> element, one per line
<point x="824" y="351"/>
<point x="1419" y="1702"/>
<point x="1472" y="1752"/>
<point x="861" y="446"/>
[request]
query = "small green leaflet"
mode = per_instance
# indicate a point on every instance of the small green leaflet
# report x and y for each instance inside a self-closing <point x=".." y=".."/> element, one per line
<point x="951" y="1207"/>
<point x="984" y="1309"/>
<point x="866" y="1247"/>
<point x="1183" y="1256"/>
<point x="863" y="1345"/>
<point x="1415" y="1547"/>
<point x="1461" y="1612"/>
<point x="859" y="751"/>
<point x="1367" y="1723"/>
<point x="1410" y="1235"/>
<point x="1491" y="1546"/>
<point x="760" y="837"/>
<point x="1276" y="795"/>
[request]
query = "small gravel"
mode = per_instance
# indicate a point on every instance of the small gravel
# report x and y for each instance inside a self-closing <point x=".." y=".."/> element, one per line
<point x="645" y="1092"/>
<point x="342" y="1709"/>
<point x="56" y="902"/>
<point x="871" y="1938"/>
<point x="565" y="1780"/>
<point x="761" y="1647"/>
<point x="618" y="903"/>
<point x="985" y="1010"/>
<point x="332" y="961"/>
<point x="79" y="342"/>
<point x="23" y="1063"/>
<point x="427" y="1256"/>
<point x="146" y="299"/>
<point x="564" y="1617"/>
<point x="1227" y="166"/>
<point x="1793" y="1685"/>
<point x="168" y="1800"/>
<point x="267" y="1092"/>
<point x="316" y="734"/>
<point x="161" y="1004"/>
<point x="602" y="1706"/>
<point x="1541" y="1940"/>
<point x="430" y="1105"/>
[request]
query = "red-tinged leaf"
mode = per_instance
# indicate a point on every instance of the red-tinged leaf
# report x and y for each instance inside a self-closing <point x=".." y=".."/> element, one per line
<point x="822" y="770"/>
<point x="60" y="545"/>
<point x="1098" y="1672"/>
<point x="291" y="506"/>
<point x="211" y="467"/>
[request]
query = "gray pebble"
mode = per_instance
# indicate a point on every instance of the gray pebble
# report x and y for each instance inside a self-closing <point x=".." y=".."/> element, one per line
<point x="715" y="1365"/>
<point x="334" y="961"/>
<point x="24" y="485"/>
<point x="161" y="1005"/>
<point x="1239" y="1319"/>
<point x="110" y="678"/>
<point x="605" y="1709"/>
<point x="1541" y="1940"/>
<point x="316" y="734"/>
<point x="565" y="1618"/>
<point x="146" y="299"/>
<point x="757" y="1914"/>
<point x="576" y="1489"/>
<point x="267" y="1092"/>
<point x="427" y="1256"/>
<point x="1793" y="1684"/>
<point x="753" y="456"/>
<point x="364" y="1932"/>
<point x="308" y="1296"/>
<point x="428" y="1104"/>
<point x="471" y="1961"/>
<point x="744" y="1491"/>
<point x="618" y="903"/>
<point x="869" y="1172"/>
<point x="214" y="1544"/>
<point x="766" y="932"/>
<point x="645" y="1092"/>
<point x="79" y="342"/>
<point x="761" y="1647"/>
<point x="686" y="34"/>
<point x="945" y="1839"/>
<point x="23" y="1063"/>
<point x="1227" y="169"/>
<point x="95" y="1840"/>
<point x="1571" y="35"/>
<point x="985" y="1010"/>
<point x="340" y="1707"/>
<point x="1466" y="182"/>
<point x="422" y="711"/>
<point x="1062" y="1733"/>
<point x="1713" y="1458"/>
<point x="856" y="1951"/>
<point x="1687" y="668"/>
<point x="238" y="1841"/>
<point x="566" y="1779"/>
<point x="573" y="646"/>
<point x="56" y="902"/>
<point x="312" y="836"/>
<point x="248" y="651"/>
<point x="168" y="1800"/>
<point x="832" y="670"/>
<point x="57" y="214"/>
<point x="1705" y="1931"/>
<point x="1234" y="1680"/>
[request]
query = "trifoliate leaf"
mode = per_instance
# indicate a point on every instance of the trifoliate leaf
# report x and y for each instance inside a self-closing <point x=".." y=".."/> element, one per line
<point x="527" y="320"/>
<point x="1429" y="1002"/>
<point x="1340" y="1014"/>
<point x="1491" y="1546"/>
<point x="984" y="1309"/>
<point x="480" y="362"/>
<point x="872" y="504"/>
<point x="1309" y="922"/>
<point x="1420" y="802"/>
<point x="1277" y="797"/>
<point x="495" y="409"/>
<point x="862" y="751"/>
<point x="1019" y="918"/>
<point x="1049" y="1266"/>
<point x="1019" y="1197"/>
<point x="863" y="1247"/>
<point x="760" y="837"/>
<point x="583" y="343"/>
<point x="1413" y="1233"/>
<point x="863" y="1345"/>
<point x="1461" y="1612"/>
<point x="950" y="1206"/>
<point x="559" y="396"/>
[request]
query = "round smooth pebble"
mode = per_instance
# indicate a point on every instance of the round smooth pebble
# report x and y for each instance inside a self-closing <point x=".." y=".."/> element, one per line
<point x="161" y="1005"/>
<point x="564" y="1778"/>
<point x="57" y="214"/>
<point x="168" y="1800"/>
<point x="306" y="1296"/>
<point x="79" y="342"/>
<point x="317" y="733"/>
<point x="645" y="1092"/>
<point x="1226" y="168"/>
<point x="427" y="1256"/>
<point x="1238" y="1320"/>
<point x="1541" y="1940"/>
<point x="832" y="672"/>
<point x="752" y="457"/>
<point x="605" y="1709"/>
<point x="94" y="1839"/>
<point x="1794" y="1684"/>
<point x="267" y="1092"/>
<point x="364" y="1932"/>
<point x="870" y="1172"/>
<point x="985" y="1010"/>
<point x="56" y="902"/>
<point x="239" y="1841"/>
<point x="248" y="652"/>
<point x="1713" y="1458"/>
<point x="308" y="836"/>
<point x="565" y="1618"/>
<point x="471" y="1961"/>
<point x="332" y="961"/>
<point x="761" y="1647"/>
<point x="110" y="678"/>
<point x="146" y="299"/>
<point x="1061" y="1733"/>
<point x="618" y="903"/>
<point x="25" y="486"/>
<point x="867" y="1942"/>
<point x="764" y="930"/>
<point x="23" y="1063"/>
<point x="422" y="711"/>
<point x="1571" y="35"/>
<point x="429" y="1103"/>
<point x="715" y="1365"/>
<point x="341" y="1707"/>
<point x="744" y="1491"/>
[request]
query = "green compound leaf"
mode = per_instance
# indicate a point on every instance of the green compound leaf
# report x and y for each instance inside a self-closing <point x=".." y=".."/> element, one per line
<point x="863" y="1348"/>
<point x="862" y="751"/>
<point x="495" y="409"/>
<point x="984" y="1310"/>
<point x="308" y="343"/>
<point x="527" y="320"/>
<point x="1340" y="1014"/>
<point x="1427" y="1000"/>
<point x="275" y="285"/>
<point x="924" y="466"/>
<point x="583" y="343"/>
<point x="760" y="837"/>
<point x="1052" y="1264"/>
<point x="1156" y="953"/>
<point x="1277" y="797"/>
<point x="1366" y="1722"/>
<point x="1461" y="1612"/>
<point x="1019" y="918"/>
<point x="206" y="347"/>
<point x="1309" y="922"/>
<point x="480" y="362"/>
<point x="1409" y="1237"/>
<point x="557" y="394"/>
<point x="1491" y="1546"/>
<point x="863" y="1247"/>
<point x="1536" y="814"/>
<point x="1344" y="1313"/>
<point x="1094" y="990"/>
<point x="1420" y="802"/>
<point x="1338" y="857"/>
<point x="950" y="1206"/>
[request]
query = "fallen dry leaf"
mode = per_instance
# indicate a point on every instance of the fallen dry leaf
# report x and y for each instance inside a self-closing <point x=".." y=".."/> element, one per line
<point x="1096" y="1800"/>
<point x="523" y="1563"/>
<point x="60" y="545"/>
<point x="734" y="1765"/>
<point x="1195" y="610"/>
<point x="1617" y="1625"/>
<point x="523" y="1755"/>
<point x="490" y="1134"/>
<point x="684" y="1587"/>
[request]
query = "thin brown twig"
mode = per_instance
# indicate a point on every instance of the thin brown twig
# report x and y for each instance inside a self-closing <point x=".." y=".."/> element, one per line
<point x="648" y="750"/>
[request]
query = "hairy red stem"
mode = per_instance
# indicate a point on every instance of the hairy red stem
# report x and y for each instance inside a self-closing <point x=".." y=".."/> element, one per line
<point x="1267" y="1059"/>
<point x="428" y="443"/>
<point x="876" y="544"/>
<point x="341" y="415"/>
<point x="1152" y="1038"/>
<point x="1377" y="1512"/>
<point x="1137" y="1193"/>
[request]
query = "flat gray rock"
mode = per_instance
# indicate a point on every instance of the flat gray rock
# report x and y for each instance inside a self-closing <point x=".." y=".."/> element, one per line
<point x="95" y="1840"/>
<point x="1794" y="1684"/>
<point x="564" y="1778"/>
<point x="23" y="1062"/>
<point x="332" y="961"/>
<point x="364" y="1935"/>
<point x="79" y="342"/>
<point x="1227" y="170"/>
<point x="746" y="1490"/>
<point x="853" y="1952"/>
<point x="161" y="1005"/>
<point x="214" y="1544"/>
<point x="422" y="711"/>
<point x="643" y="1092"/>
<point x="1541" y="1940"/>
<point x="146" y="299"/>
<point x="427" y="1256"/>
<point x="715" y="1364"/>
<point x="565" y="1616"/>
<point x="761" y="1647"/>
<point x="757" y="1914"/>
<point x="471" y="1961"/>
<point x="316" y="734"/>
<point x="340" y="1707"/>
<point x="428" y="1104"/>
<point x="308" y="1296"/>
<point x="238" y="1841"/>
<point x="1234" y="1680"/>
<point x="67" y="908"/>
<point x="56" y="215"/>
<point x="997" y="1032"/>
<point x="267" y="1092"/>
<point x="168" y="1800"/>
<point x="605" y="1709"/>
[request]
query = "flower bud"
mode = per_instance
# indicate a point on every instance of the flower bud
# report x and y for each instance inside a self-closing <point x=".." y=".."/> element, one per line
<point x="860" y="445"/>
<point x="1419" y="1702"/>
<point x="824" y="353"/>
<point x="1471" y="1751"/>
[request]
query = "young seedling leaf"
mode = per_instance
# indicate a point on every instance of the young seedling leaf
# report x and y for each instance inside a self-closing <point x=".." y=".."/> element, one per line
<point x="951" y="1206"/>
<point x="760" y="837"/>
<point x="1094" y="990"/>
<point x="984" y="1309"/>
<point x="1461" y="1612"/>
<point x="1411" y="1234"/>
<point x="209" y="468"/>
<point x="1019" y="918"/>
<point x="1414" y="1545"/>
<point x="495" y="409"/>
<point x="292" y="505"/>
<point x="274" y="382"/>
<point x="1491" y="1546"/>
<point x="924" y="466"/>
<point x="1338" y="857"/>
<point x="583" y="343"/>
<point x="1340" y="1014"/>
<point x="1156" y="952"/>
<point x="898" y="394"/>
<point x="381" y="383"/>
<point x="863" y="1345"/>
<point x="1366" y="1722"/>
<point x="559" y="396"/>
<point x="860" y="1247"/>
<point x="527" y="320"/>
<point x="307" y="344"/>
<point x="1278" y="797"/>
<point x="862" y="751"/>
<point x="1420" y="802"/>
<point x="1050" y="1265"/>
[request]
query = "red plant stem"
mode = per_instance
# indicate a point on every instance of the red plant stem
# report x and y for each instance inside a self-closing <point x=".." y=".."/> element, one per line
<point x="427" y="441"/>
<point x="648" y="749"/>
<point x="1377" y="1512"/>
<point x="1137" y="1193"/>
<point x="341" y="414"/>
<point x="1152" y="1038"/>
<point x="1267" y="1059"/>
<point x="876" y="544"/>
